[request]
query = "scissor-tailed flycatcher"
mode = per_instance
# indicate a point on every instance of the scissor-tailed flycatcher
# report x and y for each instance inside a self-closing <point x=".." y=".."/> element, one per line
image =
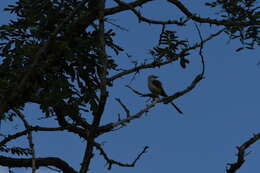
<point x="155" y="86"/>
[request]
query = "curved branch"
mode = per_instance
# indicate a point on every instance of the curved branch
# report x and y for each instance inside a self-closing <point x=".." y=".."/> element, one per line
<point x="196" y="18"/>
<point x="151" y="21"/>
<point x="40" y="162"/>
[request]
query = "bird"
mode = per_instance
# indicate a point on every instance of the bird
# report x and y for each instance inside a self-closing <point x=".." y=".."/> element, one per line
<point x="155" y="86"/>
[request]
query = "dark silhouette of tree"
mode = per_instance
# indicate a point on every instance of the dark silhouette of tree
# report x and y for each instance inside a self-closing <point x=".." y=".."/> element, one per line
<point x="54" y="53"/>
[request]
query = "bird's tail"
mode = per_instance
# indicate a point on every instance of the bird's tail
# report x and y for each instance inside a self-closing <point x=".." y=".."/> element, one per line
<point x="174" y="105"/>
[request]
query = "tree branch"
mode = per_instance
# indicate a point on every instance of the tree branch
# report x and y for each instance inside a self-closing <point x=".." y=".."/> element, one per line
<point x="103" y="88"/>
<point x="30" y="138"/>
<point x="40" y="162"/>
<point x="103" y="69"/>
<point x="24" y="132"/>
<point x="108" y="127"/>
<point x="110" y="162"/>
<point x="233" y="167"/>
<point x="151" y="21"/>
<point x="124" y="107"/>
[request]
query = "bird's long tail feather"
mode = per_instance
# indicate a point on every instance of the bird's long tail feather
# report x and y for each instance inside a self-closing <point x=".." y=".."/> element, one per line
<point x="174" y="105"/>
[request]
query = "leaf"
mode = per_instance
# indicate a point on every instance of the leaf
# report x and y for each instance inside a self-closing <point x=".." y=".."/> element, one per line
<point x="239" y="49"/>
<point x="184" y="62"/>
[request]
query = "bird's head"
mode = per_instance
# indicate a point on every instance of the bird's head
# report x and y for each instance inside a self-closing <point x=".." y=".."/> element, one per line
<point x="152" y="77"/>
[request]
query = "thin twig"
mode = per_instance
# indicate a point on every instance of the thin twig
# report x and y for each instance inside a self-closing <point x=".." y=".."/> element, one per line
<point x="139" y="93"/>
<point x="53" y="169"/>
<point x="110" y="126"/>
<point x="200" y="52"/>
<point x="110" y="162"/>
<point x="123" y="106"/>
<point x="30" y="138"/>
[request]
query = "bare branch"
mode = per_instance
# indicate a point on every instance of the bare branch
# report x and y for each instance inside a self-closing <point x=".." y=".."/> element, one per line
<point x="200" y="52"/>
<point x="30" y="138"/>
<point x="139" y="93"/>
<point x="206" y="40"/>
<point x="233" y="167"/>
<point x="193" y="84"/>
<point x="108" y="127"/>
<point x="110" y="162"/>
<point x="124" y="107"/>
<point x="151" y="21"/>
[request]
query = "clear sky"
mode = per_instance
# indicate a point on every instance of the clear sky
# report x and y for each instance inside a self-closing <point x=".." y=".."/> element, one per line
<point x="220" y="114"/>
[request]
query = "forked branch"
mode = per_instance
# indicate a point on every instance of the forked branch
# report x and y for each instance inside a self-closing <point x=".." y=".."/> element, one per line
<point x="110" y="161"/>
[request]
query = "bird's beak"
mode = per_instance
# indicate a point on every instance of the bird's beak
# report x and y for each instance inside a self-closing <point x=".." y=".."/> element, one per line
<point x="155" y="76"/>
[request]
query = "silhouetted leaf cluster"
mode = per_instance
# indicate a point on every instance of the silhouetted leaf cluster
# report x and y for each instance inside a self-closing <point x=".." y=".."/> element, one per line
<point x="169" y="46"/>
<point x="16" y="150"/>
<point x="68" y="74"/>
<point x="240" y="11"/>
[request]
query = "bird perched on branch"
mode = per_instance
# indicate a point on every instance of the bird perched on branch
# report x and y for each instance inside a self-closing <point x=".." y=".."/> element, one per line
<point x="155" y="86"/>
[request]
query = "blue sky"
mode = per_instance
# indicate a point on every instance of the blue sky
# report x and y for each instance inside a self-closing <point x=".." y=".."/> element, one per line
<point x="220" y="114"/>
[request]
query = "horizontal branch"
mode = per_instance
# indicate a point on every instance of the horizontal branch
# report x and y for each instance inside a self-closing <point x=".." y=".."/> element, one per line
<point x="24" y="132"/>
<point x="40" y="162"/>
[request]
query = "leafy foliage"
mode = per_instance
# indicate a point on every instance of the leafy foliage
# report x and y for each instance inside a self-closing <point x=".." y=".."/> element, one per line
<point x="16" y="150"/>
<point x="240" y="11"/>
<point x="169" y="46"/>
<point x="69" y="73"/>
